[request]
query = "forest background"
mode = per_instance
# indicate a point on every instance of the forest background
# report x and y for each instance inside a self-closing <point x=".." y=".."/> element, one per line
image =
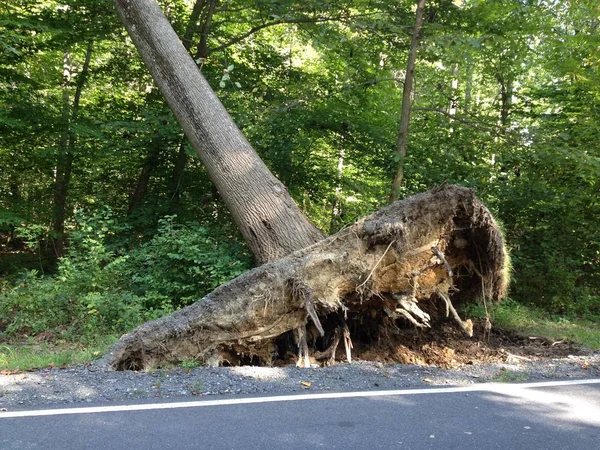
<point x="108" y="219"/>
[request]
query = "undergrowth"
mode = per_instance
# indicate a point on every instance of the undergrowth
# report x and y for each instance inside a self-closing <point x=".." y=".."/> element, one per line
<point x="30" y="355"/>
<point x="100" y="290"/>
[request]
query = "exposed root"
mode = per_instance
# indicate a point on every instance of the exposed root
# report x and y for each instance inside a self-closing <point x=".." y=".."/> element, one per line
<point x="303" y="354"/>
<point x="465" y="325"/>
<point x="347" y="343"/>
<point x="442" y="258"/>
<point x="328" y="355"/>
<point x="302" y="291"/>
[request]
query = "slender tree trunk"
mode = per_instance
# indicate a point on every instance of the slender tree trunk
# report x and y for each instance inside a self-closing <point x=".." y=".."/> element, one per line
<point x="454" y="88"/>
<point x="453" y="105"/>
<point x="268" y="218"/>
<point x="62" y="170"/>
<point x="336" y="208"/>
<point x="406" y="103"/>
<point x="506" y="93"/>
<point x="141" y="187"/>
<point x="207" y="15"/>
<point x="64" y="164"/>
<point x="469" y="88"/>
<point x="174" y="185"/>
<point x="192" y="26"/>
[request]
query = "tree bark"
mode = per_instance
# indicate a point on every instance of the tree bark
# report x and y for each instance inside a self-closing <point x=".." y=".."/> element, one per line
<point x="406" y="103"/>
<point x="268" y="218"/>
<point x="407" y="263"/>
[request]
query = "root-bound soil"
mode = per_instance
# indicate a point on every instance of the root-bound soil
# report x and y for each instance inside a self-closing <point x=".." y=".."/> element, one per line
<point x="409" y="263"/>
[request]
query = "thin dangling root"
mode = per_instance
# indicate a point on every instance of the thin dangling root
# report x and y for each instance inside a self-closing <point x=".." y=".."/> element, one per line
<point x="347" y="342"/>
<point x="465" y="325"/>
<point x="303" y="356"/>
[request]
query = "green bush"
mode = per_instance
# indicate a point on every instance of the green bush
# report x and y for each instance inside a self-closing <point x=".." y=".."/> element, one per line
<point x="182" y="263"/>
<point x="98" y="291"/>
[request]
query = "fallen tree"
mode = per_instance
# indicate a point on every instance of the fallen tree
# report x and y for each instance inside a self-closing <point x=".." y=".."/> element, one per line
<point x="412" y="261"/>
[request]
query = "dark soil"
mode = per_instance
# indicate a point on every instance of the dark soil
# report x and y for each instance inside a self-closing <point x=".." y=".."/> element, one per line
<point x="447" y="347"/>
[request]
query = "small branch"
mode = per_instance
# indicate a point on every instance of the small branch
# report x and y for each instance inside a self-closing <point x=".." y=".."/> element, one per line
<point x="262" y="26"/>
<point x="373" y="82"/>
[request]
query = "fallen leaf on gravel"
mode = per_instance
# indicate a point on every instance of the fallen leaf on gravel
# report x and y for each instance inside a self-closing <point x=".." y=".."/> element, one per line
<point x="306" y="383"/>
<point x="585" y="365"/>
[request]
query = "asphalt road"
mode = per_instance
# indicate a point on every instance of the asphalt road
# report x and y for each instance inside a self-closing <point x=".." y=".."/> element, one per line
<point x="559" y="415"/>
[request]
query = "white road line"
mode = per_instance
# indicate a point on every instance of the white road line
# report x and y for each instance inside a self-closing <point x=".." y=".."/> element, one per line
<point x="489" y="387"/>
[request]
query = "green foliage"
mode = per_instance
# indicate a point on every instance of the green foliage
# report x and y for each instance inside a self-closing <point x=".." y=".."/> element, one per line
<point x="97" y="291"/>
<point x="182" y="263"/>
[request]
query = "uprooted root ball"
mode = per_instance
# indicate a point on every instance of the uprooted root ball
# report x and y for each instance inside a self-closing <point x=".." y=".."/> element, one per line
<point x="411" y="263"/>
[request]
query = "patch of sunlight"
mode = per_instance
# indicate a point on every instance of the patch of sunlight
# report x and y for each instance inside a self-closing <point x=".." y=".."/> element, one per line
<point x="260" y="373"/>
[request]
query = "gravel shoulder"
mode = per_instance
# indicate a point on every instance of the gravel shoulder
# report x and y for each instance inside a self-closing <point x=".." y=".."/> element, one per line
<point x="95" y="383"/>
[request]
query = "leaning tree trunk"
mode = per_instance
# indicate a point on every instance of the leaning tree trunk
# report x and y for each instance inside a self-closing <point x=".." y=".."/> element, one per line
<point x="268" y="218"/>
<point x="408" y="262"/>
